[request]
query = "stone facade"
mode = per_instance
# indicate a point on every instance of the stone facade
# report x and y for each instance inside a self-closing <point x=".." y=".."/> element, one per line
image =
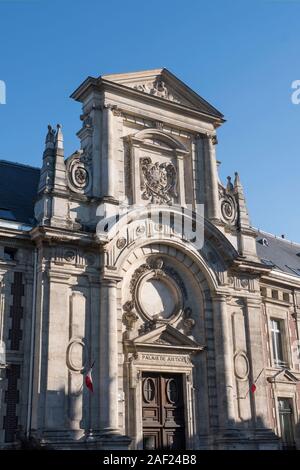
<point x="79" y="285"/>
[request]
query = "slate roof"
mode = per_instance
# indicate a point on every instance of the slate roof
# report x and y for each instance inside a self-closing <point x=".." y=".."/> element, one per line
<point x="18" y="190"/>
<point x="279" y="253"/>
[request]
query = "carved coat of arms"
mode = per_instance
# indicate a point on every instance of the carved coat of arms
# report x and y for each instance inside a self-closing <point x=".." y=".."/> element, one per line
<point x="159" y="181"/>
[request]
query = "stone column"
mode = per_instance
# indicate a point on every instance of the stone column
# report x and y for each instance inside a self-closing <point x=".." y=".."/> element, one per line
<point x="108" y="359"/>
<point x="200" y="177"/>
<point x="109" y="176"/>
<point x="135" y="174"/>
<point x="94" y="399"/>
<point x="224" y="362"/>
<point x="181" y="182"/>
<point x="211" y="183"/>
<point x="256" y="353"/>
<point x="90" y="136"/>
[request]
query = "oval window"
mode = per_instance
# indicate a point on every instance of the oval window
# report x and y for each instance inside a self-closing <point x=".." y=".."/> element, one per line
<point x="172" y="391"/>
<point x="149" y="390"/>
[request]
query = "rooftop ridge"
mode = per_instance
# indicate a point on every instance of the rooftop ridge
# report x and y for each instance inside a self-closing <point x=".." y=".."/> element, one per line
<point x="278" y="237"/>
<point x="23" y="165"/>
<point x="135" y="72"/>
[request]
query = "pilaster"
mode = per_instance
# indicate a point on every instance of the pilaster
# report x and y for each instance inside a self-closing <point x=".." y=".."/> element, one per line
<point x="257" y="370"/>
<point x="224" y="363"/>
<point x="211" y="179"/>
<point x="109" y="168"/>
<point x="108" y="359"/>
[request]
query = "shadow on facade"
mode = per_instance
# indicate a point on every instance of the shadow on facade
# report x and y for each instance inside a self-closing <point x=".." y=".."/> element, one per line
<point x="238" y="436"/>
<point x="62" y="408"/>
<point x="243" y="435"/>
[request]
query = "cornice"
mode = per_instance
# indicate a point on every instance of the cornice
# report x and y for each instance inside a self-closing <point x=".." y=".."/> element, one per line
<point x="15" y="230"/>
<point x="100" y="85"/>
<point x="274" y="276"/>
<point x="60" y="235"/>
<point x="247" y="265"/>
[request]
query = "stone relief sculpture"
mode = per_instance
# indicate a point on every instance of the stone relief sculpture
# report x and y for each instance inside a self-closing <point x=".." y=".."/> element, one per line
<point x="157" y="88"/>
<point x="228" y="209"/>
<point x="79" y="178"/>
<point x="228" y="203"/>
<point x="158" y="182"/>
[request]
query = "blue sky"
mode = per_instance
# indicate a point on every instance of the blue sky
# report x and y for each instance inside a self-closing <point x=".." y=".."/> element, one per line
<point x="241" y="55"/>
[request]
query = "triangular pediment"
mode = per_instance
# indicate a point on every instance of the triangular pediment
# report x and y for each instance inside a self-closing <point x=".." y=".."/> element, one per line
<point x="161" y="83"/>
<point x="165" y="337"/>
<point x="284" y="375"/>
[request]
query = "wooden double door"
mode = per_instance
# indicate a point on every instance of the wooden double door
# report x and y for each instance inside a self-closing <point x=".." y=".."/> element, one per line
<point x="163" y="411"/>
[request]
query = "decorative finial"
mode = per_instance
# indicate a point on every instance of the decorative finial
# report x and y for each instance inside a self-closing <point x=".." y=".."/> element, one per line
<point x="237" y="181"/>
<point x="239" y="193"/>
<point x="50" y="135"/>
<point x="229" y="186"/>
<point x="59" y="139"/>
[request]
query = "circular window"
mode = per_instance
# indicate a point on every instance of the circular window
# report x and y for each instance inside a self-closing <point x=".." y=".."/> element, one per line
<point x="148" y="390"/>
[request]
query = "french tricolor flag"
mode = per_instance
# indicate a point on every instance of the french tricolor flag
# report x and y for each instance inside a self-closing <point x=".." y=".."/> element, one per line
<point x="89" y="379"/>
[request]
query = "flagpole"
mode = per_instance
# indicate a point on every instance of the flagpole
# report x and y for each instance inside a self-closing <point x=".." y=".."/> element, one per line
<point x="254" y="382"/>
<point x="90" y="402"/>
<point x="90" y="412"/>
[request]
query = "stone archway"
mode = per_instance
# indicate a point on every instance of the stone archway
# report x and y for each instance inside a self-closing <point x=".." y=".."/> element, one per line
<point x="165" y="345"/>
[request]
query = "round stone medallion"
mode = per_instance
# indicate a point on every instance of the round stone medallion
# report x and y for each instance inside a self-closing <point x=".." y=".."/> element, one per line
<point x="241" y="366"/>
<point x="157" y="298"/>
<point x="76" y="355"/>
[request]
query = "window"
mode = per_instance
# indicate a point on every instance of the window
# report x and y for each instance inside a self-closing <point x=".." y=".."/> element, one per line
<point x="10" y="254"/>
<point x="263" y="291"/>
<point x="277" y="345"/>
<point x="286" y="296"/>
<point x="275" y="294"/>
<point x="286" y="421"/>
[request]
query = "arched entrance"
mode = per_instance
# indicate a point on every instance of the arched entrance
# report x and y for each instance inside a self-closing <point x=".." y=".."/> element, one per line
<point x="165" y="314"/>
<point x="163" y="341"/>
